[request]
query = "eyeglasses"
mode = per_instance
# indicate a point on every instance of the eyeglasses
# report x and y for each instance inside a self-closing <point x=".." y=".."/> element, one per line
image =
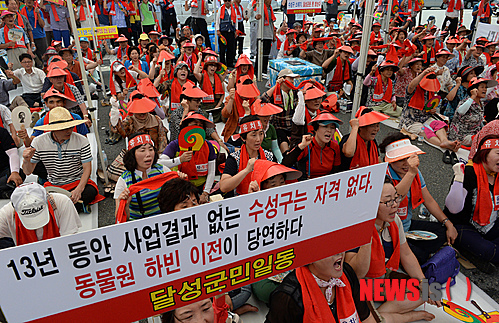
<point x="396" y="200"/>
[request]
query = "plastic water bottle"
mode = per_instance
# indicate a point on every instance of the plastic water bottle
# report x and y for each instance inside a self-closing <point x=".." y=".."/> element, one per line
<point x="104" y="156"/>
<point x="343" y="106"/>
<point x="421" y="137"/>
<point x="210" y="117"/>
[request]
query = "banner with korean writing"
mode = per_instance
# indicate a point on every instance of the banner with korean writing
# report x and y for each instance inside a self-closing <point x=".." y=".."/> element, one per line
<point x="130" y="271"/>
<point x="59" y="2"/>
<point x="104" y="32"/>
<point x="491" y="32"/>
<point x="304" y="6"/>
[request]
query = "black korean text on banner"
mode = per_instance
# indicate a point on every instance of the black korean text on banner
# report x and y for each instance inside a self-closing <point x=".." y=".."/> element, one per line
<point x="130" y="271"/>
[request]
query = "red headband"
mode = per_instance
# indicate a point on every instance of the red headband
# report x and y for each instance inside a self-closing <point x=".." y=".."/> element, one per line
<point x="490" y="144"/>
<point x="139" y="141"/>
<point x="251" y="126"/>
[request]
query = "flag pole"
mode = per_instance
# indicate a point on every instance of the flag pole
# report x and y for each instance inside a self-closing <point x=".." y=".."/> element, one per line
<point x="364" y="48"/>
<point x="90" y="108"/>
<point x="260" y="41"/>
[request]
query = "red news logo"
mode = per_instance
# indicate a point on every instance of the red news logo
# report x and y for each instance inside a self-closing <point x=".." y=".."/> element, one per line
<point x="380" y="290"/>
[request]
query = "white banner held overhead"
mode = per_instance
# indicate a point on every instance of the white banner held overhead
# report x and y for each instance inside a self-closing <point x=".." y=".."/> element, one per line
<point x="137" y="269"/>
<point x="304" y="6"/>
<point x="491" y="32"/>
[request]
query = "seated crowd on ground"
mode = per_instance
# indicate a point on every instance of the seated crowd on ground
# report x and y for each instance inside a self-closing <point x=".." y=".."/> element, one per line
<point x="435" y="85"/>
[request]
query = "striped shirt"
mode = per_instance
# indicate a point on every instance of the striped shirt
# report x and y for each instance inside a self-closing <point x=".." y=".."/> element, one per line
<point x="64" y="162"/>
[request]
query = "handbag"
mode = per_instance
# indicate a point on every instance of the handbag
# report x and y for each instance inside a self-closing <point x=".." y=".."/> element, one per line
<point x="441" y="266"/>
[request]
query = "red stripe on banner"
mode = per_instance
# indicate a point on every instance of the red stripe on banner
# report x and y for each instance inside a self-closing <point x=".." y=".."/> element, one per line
<point x="138" y="305"/>
<point x="299" y="11"/>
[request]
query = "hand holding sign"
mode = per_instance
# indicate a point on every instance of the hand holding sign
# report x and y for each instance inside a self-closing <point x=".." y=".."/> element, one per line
<point x="432" y="103"/>
<point x="21" y="116"/>
<point x="191" y="138"/>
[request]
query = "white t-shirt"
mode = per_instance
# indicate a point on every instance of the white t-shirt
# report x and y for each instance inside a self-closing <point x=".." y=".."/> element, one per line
<point x="65" y="215"/>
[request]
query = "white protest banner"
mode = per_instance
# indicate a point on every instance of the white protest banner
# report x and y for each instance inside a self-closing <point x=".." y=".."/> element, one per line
<point x="138" y="269"/>
<point x="304" y="6"/>
<point x="491" y="32"/>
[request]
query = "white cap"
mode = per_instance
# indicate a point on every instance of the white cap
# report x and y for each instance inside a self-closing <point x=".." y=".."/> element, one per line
<point x="30" y="202"/>
<point x="287" y="73"/>
<point x="117" y="67"/>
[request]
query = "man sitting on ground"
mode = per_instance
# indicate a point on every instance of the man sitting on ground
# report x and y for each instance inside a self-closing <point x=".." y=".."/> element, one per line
<point x="34" y="215"/>
<point x="66" y="156"/>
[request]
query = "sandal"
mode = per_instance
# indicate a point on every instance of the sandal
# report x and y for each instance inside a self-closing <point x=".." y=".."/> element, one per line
<point x="109" y="188"/>
<point x="454" y="158"/>
<point x="446" y="158"/>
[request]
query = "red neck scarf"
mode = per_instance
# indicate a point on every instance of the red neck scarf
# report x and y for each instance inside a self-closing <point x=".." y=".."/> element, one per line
<point x="25" y="236"/>
<point x="362" y="157"/>
<point x="208" y="87"/>
<point x="416" y="196"/>
<point x="24" y="12"/>
<point x="198" y="165"/>
<point x="152" y="183"/>
<point x="233" y="16"/>
<point x="428" y="59"/>
<point x="82" y="14"/>
<point x="454" y="5"/>
<point x="119" y="52"/>
<point x="194" y="4"/>
<point x="418" y="99"/>
<point x="104" y="10"/>
<point x="88" y="54"/>
<point x="67" y="92"/>
<point x="266" y="12"/>
<point x="176" y="91"/>
<point x="341" y="74"/>
<point x="20" y="20"/>
<point x="378" y="267"/>
<point x="379" y="94"/>
<point x="484" y="205"/>
<point x="242" y="188"/>
<point x="129" y="81"/>
<point x="72" y="186"/>
<point x="238" y="102"/>
<point x="239" y="12"/>
<point x="20" y="43"/>
<point x="191" y="61"/>
<point x="484" y="12"/>
<point x="54" y="12"/>
<point x="308" y="119"/>
<point x="121" y="5"/>
<point x="286" y="45"/>
<point x="316" y="308"/>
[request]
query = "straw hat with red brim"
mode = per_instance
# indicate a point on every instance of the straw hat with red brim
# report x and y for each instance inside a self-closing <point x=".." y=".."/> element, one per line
<point x="345" y="48"/>
<point x="53" y="92"/>
<point x="120" y="39"/>
<point x="313" y="93"/>
<point x="56" y="71"/>
<point x="265" y="109"/>
<point x="318" y="30"/>
<point x="376" y="24"/>
<point x="265" y="169"/>
<point x="194" y="115"/>
<point x="429" y="37"/>
<point x="291" y="31"/>
<point x="164" y="56"/>
<point x="370" y="117"/>
<point x="243" y="60"/>
<point x="188" y="44"/>
<point x="462" y="28"/>
<point x="7" y="13"/>
<point x="452" y="40"/>
<point x="496" y="54"/>
<point x="246" y="88"/>
<point x="387" y="64"/>
<point x="371" y="53"/>
<point x="143" y="105"/>
<point x="192" y="91"/>
<point x="475" y="82"/>
<point x="357" y="25"/>
<point x="212" y="60"/>
<point x="491" y="44"/>
<point x="415" y="60"/>
<point x="330" y="101"/>
<point x="325" y="118"/>
<point x="60" y="64"/>
<point x="464" y="71"/>
<point x="209" y="52"/>
<point x="444" y="52"/>
<point x="430" y="83"/>
<point x="482" y="39"/>
<point x="401" y="149"/>
<point x="147" y="88"/>
<point x="154" y="32"/>
<point x="480" y="46"/>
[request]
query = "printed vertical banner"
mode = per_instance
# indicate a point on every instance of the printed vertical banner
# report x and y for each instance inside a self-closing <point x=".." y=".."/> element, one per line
<point x="491" y="32"/>
<point x="104" y="32"/>
<point x="304" y="6"/>
<point x="134" y="270"/>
